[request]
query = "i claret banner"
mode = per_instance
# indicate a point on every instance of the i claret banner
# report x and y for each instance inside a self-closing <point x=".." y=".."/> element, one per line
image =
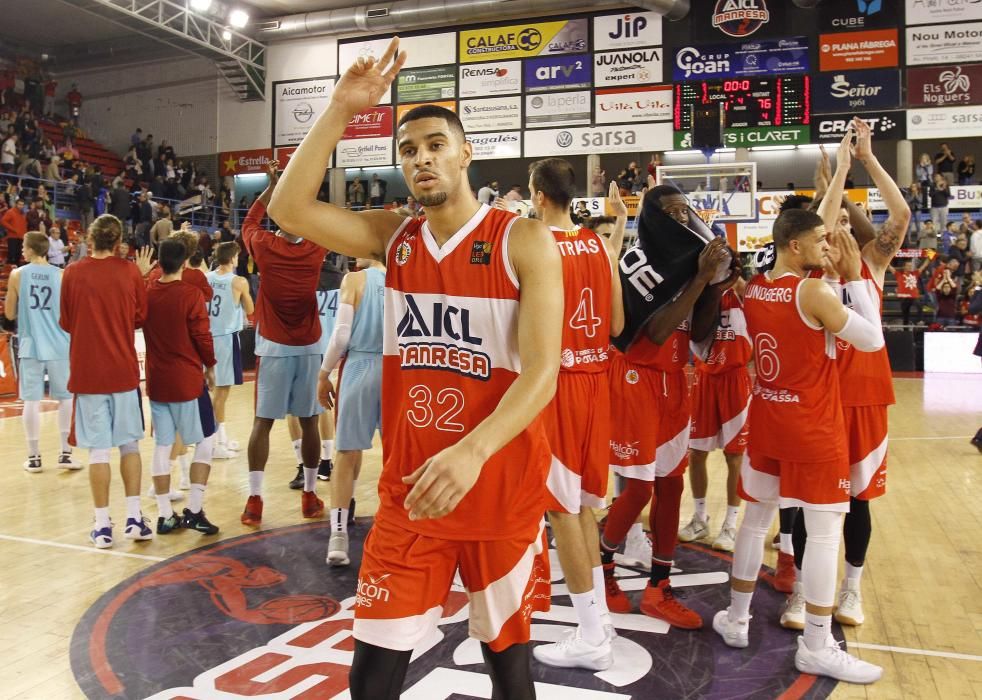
<point x="524" y="40"/>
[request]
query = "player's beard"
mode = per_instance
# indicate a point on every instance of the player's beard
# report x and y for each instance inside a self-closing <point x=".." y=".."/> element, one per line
<point x="434" y="199"/>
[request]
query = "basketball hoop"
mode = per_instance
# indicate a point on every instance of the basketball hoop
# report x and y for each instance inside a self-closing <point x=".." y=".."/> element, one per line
<point x="708" y="216"/>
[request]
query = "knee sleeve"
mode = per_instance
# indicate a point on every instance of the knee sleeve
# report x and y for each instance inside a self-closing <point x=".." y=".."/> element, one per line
<point x="820" y="565"/>
<point x="857" y="530"/>
<point x="626" y="509"/>
<point x="99" y="456"/>
<point x="129" y="448"/>
<point x="203" y="450"/>
<point x="32" y="419"/>
<point x="160" y="466"/>
<point x="65" y="408"/>
<point x="749" y="552"/>
<point x="788" y="516"/>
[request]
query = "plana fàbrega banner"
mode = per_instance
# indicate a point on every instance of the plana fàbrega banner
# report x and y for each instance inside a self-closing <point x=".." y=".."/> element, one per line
<point x="523" y="40"/>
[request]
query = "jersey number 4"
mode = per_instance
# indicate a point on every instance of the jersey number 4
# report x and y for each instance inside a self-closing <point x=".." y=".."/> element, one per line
<point x="585" y="317"/>
<point x="421" y="415"/>
<point x="40" y="297"/>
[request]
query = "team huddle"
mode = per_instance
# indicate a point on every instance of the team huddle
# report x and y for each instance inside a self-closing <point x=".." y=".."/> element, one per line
<point x="479" y="343"/>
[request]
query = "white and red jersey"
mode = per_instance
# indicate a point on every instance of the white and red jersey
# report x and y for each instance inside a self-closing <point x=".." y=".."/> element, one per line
<point x="587" y="275"/>
<point x="449" y="355"/>
<point x="865" y="377"/>
<point x="796" y="409"/>
<point x="731" y="347"/>
<point x="670" y="356"/>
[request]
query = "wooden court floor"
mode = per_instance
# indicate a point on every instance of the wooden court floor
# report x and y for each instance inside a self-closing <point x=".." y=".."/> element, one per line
<point x="922" y="587"/>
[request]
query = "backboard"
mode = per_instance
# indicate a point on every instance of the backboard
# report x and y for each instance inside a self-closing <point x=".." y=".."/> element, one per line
<point x="718" y="192"/>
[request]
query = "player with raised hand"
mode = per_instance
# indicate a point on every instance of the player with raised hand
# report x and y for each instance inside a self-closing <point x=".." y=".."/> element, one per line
<point x="471" y="350"/>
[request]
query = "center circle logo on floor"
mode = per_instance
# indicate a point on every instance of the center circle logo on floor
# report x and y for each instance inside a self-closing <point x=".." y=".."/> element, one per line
<point x="262" y="615"/>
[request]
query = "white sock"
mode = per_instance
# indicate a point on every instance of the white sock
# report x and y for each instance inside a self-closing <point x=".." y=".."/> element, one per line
<point x="731" y="516"/>
<point x="297" y="452"/>
<point x="31" y="416"/>
<point x="133" y="508"/>
<point x="636" y="531"/>
<point x="65" y="423"/>
<point x="101" y="518"/>
<point x="700" y="508"/>
<point x="739" y="605"/>
<point x="196" y="497"/>
<point x="854" y="573"/>
<point x="222" y="437"/>
<point x="786" y="546"/>
<point x="310" y="479"/>
<point x="600" y="590"/>
<point x="164" y="508"/>
<point x="339" y="520"/>
<point x="818" y="629"/>
<point x="327" y="449"/>
<point x="256" y="483"/>
<point x="588" y="613"/>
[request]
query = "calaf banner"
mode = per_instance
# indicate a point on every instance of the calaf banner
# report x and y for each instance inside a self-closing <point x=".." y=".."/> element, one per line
<point x="854" y="50"/>
<point x="524" y="40"/>
<point x="938" y="11"/>
<point x="944" y="85"/>
<point x="425" y="84"/>
<point x="635" y="67"/>
<point x="944" y="122"/>
<point x="631" y="104"/>
<point x="950" y="43"/>
<point x="491" y="114"/>
<point x="859" y="90"/>
<point x="749" y="58"/>
<point x="633" y="138"/>
<point x="884" y="125"/>
<point x="558" y="73"/>
<point x="627" y="30"/>
<point x="506" y="144"/>
<point x="558" y="109"/>
<point x="502" y="78"/>
<point x="296" y="106"/>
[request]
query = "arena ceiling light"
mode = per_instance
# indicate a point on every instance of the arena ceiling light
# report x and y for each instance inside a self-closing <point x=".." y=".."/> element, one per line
<point x="226" y="34"/>
<point x="238" y="18"/>
<point x="201" y="5"/>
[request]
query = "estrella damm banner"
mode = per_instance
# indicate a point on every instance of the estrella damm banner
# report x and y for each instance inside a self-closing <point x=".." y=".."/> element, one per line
<point x="523" y="40"/>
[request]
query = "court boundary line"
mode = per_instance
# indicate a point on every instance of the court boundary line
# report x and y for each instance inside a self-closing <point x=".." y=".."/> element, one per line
<point x="80" y="548"/>
<point x="916" y="652"/>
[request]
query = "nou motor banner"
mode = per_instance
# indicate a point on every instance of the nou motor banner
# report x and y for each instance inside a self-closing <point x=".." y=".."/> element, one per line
<point x="558" y="109"/>
<point x="501" y="78"/>
<point x="558" y="73"/>
<point x="634" y="67"/>
<point x="425" y="84"/>
<point x="627" y="30"/>
<point x="629" y="104"/>
<point x="944" y="85"/>
<point x="950" y="43"/>
<point x="745" y="59"/>
<point x="633" y="138"/>
<point x="524" y="40"/>
<point x="374" y="122"/>
<point x="852" y="50"/>
<point x="507" y="144"/>
<point x="296" y="106"/>
<point x="491" y="114"/>
<point x="938" y="11"/>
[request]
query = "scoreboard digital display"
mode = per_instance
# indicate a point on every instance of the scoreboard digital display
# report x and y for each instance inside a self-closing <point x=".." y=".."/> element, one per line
<point x="747" y="102"/>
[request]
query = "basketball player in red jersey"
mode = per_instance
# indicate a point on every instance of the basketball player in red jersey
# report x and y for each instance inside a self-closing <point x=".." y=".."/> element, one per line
<point x="721" y="401"/>
<point x="577" y="418"/>
<point x="650" y="378"/>
<point x="798" y="450"/>
<point x="866" y="385"/>
<point x="471" y="350"/>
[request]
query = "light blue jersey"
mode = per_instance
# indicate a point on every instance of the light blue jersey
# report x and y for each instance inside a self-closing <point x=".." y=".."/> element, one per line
<point x="224" y="315"/>
<point x="38" y="313"/>
<point x="366" y="329"/>
<point x="327" y="309"/>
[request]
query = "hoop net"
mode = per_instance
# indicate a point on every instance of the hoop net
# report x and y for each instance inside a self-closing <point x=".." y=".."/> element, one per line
<point x="708" y="216"/>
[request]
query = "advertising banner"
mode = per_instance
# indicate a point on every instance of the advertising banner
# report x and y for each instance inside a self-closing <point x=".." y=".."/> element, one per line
<point x="962" y="197"/>
<point x="839" y="15"/>
<point x="245" y="162"/>
<point x="558" y="73"/>
<point x="506" y="144"/>
<point x="944" y="122"/>
<point x="421" y="50"/>
<point x="524" y="40"/>
<point x="635" y="67"/>
<point x="938" y="11"/>
<point x="632" y="138"/>
<point x="951" y="43"/>
<point x="558" y="109"/>
<point x="642" y="104"/>
<point x="363" y="153"/>
<point x="859" y="90"/>
<point x="627" y="30"/>
<point x="944" y="85"/>
<point x="749" y="137"/>
<point x="374" y="122"/>
<point x="749" y="58"/>
<point x="296" y="106"/>
<point x="425" y="84"/>
<point x="402" y="109"/>
<point x="884" y="125"/>
<point x="854" y="50"/>
<point x="491" y="114"/>
<point x="502" y="78"/>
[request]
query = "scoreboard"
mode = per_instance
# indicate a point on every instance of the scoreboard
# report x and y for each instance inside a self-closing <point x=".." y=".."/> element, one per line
<point x="747" y="102"/>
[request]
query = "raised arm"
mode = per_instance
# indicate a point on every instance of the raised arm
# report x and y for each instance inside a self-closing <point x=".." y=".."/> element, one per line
<point x="294" y="203"/>
<point x="832" y="201"/>
<point x="614" y="245"/>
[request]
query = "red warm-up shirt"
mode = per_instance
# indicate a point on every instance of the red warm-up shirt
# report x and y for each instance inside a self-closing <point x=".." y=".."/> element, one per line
<point x="15" y="223"/>
<point x="103" y="302"/>
<point x="178" y="341"/>
<point x="196" y="278"/>
<point x="286" y="310"/>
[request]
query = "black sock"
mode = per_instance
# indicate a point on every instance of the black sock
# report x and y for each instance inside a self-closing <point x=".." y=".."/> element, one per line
<point x="659" y="572"/>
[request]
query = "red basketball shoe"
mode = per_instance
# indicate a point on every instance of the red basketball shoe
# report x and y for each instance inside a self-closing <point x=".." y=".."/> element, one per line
<point x="253" y="513"/>
<point x="311" y="506"/>
<point x="660" y="602"/>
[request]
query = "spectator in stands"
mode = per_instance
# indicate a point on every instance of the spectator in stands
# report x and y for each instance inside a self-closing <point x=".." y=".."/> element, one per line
<point x="190" y="176"/>
<point x="52" y="171"/>
<point x="46" y="151"/>
<point x="45" y="198"/>
<point x="144" y="220"/>
<point x="162" y="227"/>
<point x="944" y="164"/>
<point x="960" y="253"/>
<point x="966" y="170"/>
<point x="514" y="194"/>
<point x="135" y="139"/>
<point x="145" y="154"/>
<point x="120" y="203"/>
<point x="597" y="181"/>
<point x="924" y="172"/>
<point x="947" y="292"/>
<point x="30" y="167"/>
<point x="940" y="196"/>
<point x="224" y="211"/>
<point x="948" y="237"/>
<point x="50" y="86"/>
<point x="74" y="98"/>
<point x="157" y="187"/>
<point x="376" y="191"/>
<point x="85" y="201"/>
<point x="908" y="290"/>
<point x="580" y="214"/>
<point x="488" y="193"/>
<point x="356" y="194"/>
<point x="8" y="152"/>
<point x="975" y="248"/>
<point x="56" y="247"/>
<point x="14" y="223"/>
<point x="227" y="234"/>
<point x="207" y="242"/>
<point x="96" y="180"/>
<point x="914" y="198"/>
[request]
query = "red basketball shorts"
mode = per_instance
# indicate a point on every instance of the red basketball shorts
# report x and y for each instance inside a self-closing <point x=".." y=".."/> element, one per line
<point x="577" y="423"/>
<point x="649" y="421"/>
<point x="866" y="427"/>
<point x="720" y="404"/>
<point x="812" y="485"/>
<point x="405" y="579"/>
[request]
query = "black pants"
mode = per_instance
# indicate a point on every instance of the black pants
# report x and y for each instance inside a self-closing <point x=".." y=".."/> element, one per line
<point x="906" y="305"/>
<point x="14" y="246"/>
